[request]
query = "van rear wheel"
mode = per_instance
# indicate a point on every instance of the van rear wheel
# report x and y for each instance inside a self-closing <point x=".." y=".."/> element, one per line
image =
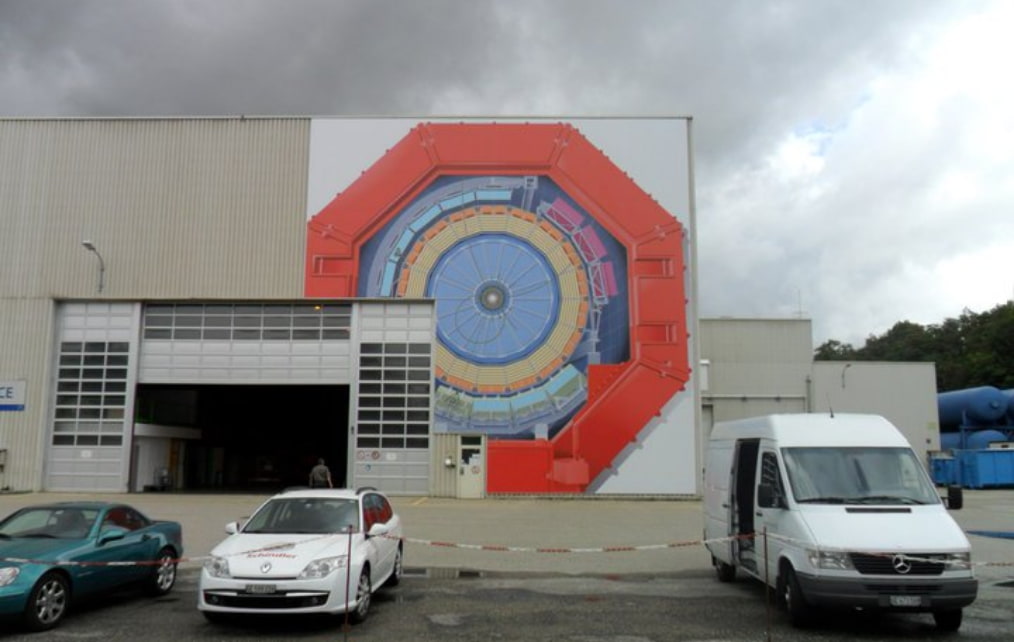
<point x="725" y="572"/>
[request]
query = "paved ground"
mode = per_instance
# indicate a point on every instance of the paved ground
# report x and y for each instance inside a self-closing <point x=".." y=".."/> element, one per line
<point x="653" y="593"/>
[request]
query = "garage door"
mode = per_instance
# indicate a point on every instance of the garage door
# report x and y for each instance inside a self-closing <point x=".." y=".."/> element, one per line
<point x="88" y="441"/>
<point x="246" y="343"/>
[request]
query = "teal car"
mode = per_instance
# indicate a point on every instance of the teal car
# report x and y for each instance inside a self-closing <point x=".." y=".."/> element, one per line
<point x="53" y="554"/>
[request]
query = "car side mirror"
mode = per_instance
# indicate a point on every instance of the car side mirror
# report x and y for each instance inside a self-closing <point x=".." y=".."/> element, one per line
<point x="768" y="497"/>
<point x="378" y="530"/>
<point x="955" y="497"/>
<point x="112" y="534"/>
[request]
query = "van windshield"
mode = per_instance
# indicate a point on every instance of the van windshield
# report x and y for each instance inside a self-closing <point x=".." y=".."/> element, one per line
<point x="857" y="476"/>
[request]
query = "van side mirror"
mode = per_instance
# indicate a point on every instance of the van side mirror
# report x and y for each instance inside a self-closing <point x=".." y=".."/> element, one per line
<point x="768" y="497"/>
<point x="955" y="497"/>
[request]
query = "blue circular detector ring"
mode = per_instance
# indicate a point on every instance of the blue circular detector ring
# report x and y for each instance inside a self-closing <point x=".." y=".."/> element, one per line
<point x="497" y="298"/>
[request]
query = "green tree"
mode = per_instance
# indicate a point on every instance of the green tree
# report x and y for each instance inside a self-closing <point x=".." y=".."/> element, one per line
<point x="905" y="341"/>
<point x="990" y="347"/>
<point x="832" y="350"/>
<point x="970" y="350"/>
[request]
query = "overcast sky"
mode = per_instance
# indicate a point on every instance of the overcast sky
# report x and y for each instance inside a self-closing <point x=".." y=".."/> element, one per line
<point x="854" y="158"/>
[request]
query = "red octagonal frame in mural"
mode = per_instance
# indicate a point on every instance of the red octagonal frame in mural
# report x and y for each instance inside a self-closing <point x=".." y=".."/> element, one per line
<point x="622" y="398"/>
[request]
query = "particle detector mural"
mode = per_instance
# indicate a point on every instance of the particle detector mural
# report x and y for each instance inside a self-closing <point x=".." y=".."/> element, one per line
<point x="527" y="291"/>
<point x="558" y="286"/>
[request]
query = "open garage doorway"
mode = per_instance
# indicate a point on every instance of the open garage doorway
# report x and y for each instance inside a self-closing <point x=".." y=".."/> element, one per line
<point x="236" y="438"/>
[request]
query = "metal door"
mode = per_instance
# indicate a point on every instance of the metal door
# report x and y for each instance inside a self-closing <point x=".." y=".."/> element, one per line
<point x="471" y="467"/>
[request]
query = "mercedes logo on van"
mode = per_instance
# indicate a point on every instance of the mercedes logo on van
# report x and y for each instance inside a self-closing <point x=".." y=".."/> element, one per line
<point x="901" y="564"/>
<point x="266" y="566"/>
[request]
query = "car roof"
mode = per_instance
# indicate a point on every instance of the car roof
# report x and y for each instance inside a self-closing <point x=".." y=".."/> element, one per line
<point x="343" y="493"/>
<point x="88" y="504"/>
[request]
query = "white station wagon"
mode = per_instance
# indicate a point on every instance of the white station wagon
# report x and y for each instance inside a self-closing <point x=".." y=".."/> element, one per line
<point x="305" y="551"/>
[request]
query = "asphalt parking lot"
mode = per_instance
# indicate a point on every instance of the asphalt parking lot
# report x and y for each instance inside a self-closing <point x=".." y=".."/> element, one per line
<point x="557" y="578"/>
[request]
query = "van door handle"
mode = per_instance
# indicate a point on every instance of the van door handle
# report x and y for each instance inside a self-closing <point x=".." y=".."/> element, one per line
<point x="759" y="514"/>
<point x="725" y="505"/>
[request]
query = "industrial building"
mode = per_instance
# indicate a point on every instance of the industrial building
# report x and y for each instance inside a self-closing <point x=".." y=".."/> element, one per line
<point x="433" y="306"/>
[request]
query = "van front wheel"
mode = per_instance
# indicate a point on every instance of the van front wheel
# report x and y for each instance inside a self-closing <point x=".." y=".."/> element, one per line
<point x="792" y="598"/>
<point x="948" y="620"/>
<point x="725" y="572"/>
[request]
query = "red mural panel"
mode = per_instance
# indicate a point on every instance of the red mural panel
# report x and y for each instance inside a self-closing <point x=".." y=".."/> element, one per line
<point x="621" y="398"/>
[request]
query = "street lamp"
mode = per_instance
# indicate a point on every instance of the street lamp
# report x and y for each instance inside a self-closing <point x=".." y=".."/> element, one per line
<point x="88" y="245"/>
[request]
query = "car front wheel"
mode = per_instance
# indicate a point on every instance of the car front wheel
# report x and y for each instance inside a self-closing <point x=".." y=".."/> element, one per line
<point x="163" y="576"/>
<point x="47" y="603"/>
<point x="362" y="598"/>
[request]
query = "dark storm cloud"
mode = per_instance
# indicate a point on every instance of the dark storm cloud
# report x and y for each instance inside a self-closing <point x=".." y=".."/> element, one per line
<point x="128" y="58"/>
<point x="742" y="68"/>
<point x="735" y="64"/>
<point x="822" y="184"/>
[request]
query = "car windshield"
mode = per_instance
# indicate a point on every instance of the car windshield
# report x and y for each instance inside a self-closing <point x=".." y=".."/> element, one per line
<point x="857" y="476"/>
<point x="305" y="515"/>
<point x="50" y="522"/>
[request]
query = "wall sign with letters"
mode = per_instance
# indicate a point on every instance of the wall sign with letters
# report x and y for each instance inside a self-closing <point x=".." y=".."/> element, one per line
<point x="12" y="395"/>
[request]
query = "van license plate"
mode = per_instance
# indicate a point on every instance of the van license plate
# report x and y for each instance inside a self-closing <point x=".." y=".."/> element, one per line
<point x="906" y="600"/>
<point x="260" y="588"/>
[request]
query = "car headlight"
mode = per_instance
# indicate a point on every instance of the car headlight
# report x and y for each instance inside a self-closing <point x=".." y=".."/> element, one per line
<point x="830" y="560"/>
<point x="217" y="566"/>
<point x="958" y="561"/>
<point x="322" y="567"/>
<point x="8" y="575"/>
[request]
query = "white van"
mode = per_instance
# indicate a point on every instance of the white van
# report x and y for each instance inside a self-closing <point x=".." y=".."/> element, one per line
<point x="842" y="510"/>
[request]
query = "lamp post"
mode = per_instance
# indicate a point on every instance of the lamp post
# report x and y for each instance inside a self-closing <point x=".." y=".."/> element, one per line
<point x="88" y="245"/>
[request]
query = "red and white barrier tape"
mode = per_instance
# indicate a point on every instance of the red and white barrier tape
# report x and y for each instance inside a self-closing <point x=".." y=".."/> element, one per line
<point x="479" y="547"/>
<point x="598" y="549"/>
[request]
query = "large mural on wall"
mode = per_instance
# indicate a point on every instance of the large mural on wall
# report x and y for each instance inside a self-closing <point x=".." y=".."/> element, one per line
<point x="559" y="289"/>
<point x="527" y="296"/>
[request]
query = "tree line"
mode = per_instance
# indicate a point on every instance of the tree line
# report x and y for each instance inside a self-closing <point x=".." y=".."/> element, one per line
<point x="971" y="350"/>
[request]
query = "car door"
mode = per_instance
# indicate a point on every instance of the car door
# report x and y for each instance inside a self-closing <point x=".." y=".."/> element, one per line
<point x="389" y="543"/>
<point x="136" y="545"/>
<point x="377" y="510"/>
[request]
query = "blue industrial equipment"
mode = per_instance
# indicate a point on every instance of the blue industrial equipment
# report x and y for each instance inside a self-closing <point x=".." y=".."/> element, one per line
<point x="982" y="406"/>
<point x="986" y="468"/>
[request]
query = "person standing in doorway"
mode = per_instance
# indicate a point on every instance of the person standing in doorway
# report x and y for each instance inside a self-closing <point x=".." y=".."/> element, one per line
<point x="320" y="475"/>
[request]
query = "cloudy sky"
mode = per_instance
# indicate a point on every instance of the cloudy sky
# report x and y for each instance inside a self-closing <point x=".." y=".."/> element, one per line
<point x="854" y="158"/>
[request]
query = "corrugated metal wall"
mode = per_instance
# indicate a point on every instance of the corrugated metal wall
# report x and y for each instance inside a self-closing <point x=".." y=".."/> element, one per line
<point x="26" y="334"/>
<point x="757" y="366"/>
<point x="162" y="200"/>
